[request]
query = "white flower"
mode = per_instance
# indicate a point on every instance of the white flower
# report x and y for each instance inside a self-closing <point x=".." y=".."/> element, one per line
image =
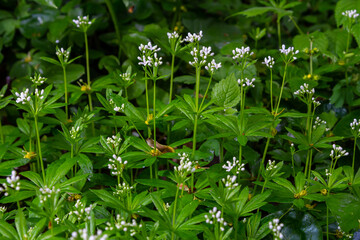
<point x="61" y="52"/>
<point x="271" y="165"/>
<point x="327" y="172"/>
<point x="46" y="193"/>
<point x="269" y="62"/>
<point x="247" y="82"/>
<point x="75" y="132"/>
<point x="215" y="217"/>
<point x="39" y="94"/>
<point x="304" y="89"/>
<point x="125" y="76"/>
<point x="241" y="53"/>
<point x="12" y="182"/>
<point x="185" y="167"/>
<point x="318" y="122"/>
<point x="173" y="35"/>
<point x="234" y="165"/>
<point x="122" y="189"/>
<point x="116" y="165"/>
<point x="120" y="224"/>
<point x="82" y="22"/>
<point x="38" y="79"/>
<point x="212" y="66"/>
<point x="114" y="140"/>
<point x="84" y="235"/>
<point x="338" y="152"/>
<point x="148" y="57"/>
<point x="200" y="56"/>
<point x="230" y="182"/>
<point x="275" y="228"/>
<point x="288" y="53"/>
<point x="193" y="37"/>
<point x="350" y="13"/>
<point x="23" y="97"/>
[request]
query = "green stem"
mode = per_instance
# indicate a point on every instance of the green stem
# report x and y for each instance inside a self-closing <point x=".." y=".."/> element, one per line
<point x="279" y="30"/>
<point x="236" y="226"/>
<point x="295" y="24"/>
<point x="147" y="103"/>
<point x="263" y="188"/>
<point x="66" y="94"/>
<point x="327" y="222"/>
<point x="192" y="182"/>
<point x="263" y="158"/>
<point x="88" y="79"/>
<point x="222" y="150"/>
<point x="1" y="134"/>
<point x="207" y="89"/>
<point x="39" y="146"/>
<point x="281" y="90"/>
<point x="116" y="25"/>
<point x="354" y="150"/>
<point x="197" y="89"/>
<point x="174" y="212"/>
<point x="271" y="91"/>
<point x="172" y="77"/>
<point x="154" y="115"/>
<point x="293" y="165"/>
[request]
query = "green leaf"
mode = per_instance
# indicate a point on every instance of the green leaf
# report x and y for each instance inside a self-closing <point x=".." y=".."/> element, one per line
<point x="18" y="196"/>
<point x="346" y="209"/>
<point x="300" y="225"/>
<point x="170" y="187"/>
<point x="7" y="230"/>
<point x="51" y="60"/>
<point x="109" y="199"/>
<point x="286" y="184"/>
<point x="20" y="223"/>
<point x="226" y="93"/>
<point x="8" y="166"/>
<point x="61" y="171"/>
<point x="34" y="177"/>
<point x="319" y="41"/>
<point x="48" y="3"/>
<point x="252" y="12"/>
<point x="86" y="165"/>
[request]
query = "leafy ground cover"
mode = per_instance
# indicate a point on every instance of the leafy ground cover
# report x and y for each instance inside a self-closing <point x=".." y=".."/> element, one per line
<point x="179" y="120"/>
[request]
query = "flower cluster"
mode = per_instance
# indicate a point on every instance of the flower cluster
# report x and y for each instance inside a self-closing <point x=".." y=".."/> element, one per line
<point x="193" y="37"/>
<point x="247" y="82"/>
<point x="84" y="235"/>
<point x="75" y="132"/>
<point x="81" y="212"/>
<point x="304" y="89"/>
<point x="235" y="164"/>
<point x="122" y="189"/>
<point x="46" y="193"/>
<point x="120" y="224"/>
<point x="23" y="97"/>
<point x="2" y="209"/>
<point x="327" y="172"/>
<point x="38" y="79"/>
<point x="269" y="61"/>
<point x="341" y="233"/>
<point x="338" y="152"/>
<point x="39" y="94"/>
<point x="355" y="127"/>
<point x="116" y="165"/>
<point x="230" y="182"/>
<point x="242" y="53"/>
<point x="149" y="56"/>
<point x="215" y="217"/>
<point x="200" y="56"/>
<point x="63" y="54"/>
<point x="315" y="102"/>
<point x="185" y="167"/>
<point x="275" y="226"/>
<point x="82" y="22"/>
<point x="173" y="35"/>
<point x="125" y="76"/>
<point x="117" y="108"/>
<point x="212" y="66"/>
<point x="350" y="13"/>
<point x="288" y="53"/>
<point x="318" y="122"/>
<point x="114" y="140"/>
<point x="12" y="182"/>
<point x="271" y="165"/>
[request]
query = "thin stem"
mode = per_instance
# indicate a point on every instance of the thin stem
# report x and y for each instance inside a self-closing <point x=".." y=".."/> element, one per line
<point x="147" y="102"/>
<point x="174" y="212"/>
<point x="311" y="58"/>
<point x="154" y="115"/>
<point x="1" y="133"/>
<point x="172" y="77"/>
<point x="271" y="91"/>
<point x="88" y="79"/>
<point x="297" y="26"/>
<point x="192" y="182"/>
<point x="263" y="158"/>
<point x="207" y="89"/>
<point x="354" y="150"/>
<point x="197" y="88"/>
<point x="39" y="146"/>
<point x="281" y="90"/>
<point x="116" y="25"/>
<point x="327" y="222"/>
<point x="279" y="30"/>
<point x="236" y="226"/>
<point x="66" y="93"/>
<point x="263" y="188"/>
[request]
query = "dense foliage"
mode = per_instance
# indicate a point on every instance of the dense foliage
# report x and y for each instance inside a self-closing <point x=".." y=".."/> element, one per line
<point x="176" y="119"/>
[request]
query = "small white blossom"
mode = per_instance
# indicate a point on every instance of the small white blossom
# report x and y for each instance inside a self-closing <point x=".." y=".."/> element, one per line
<point x="327" y="172"/>
<point x="114" y="140"/>
<point x="304" y="89"/>
<point x="201" y="56"/>
<point x="23" y="97"/>
<point x="350" y="13"/>
<point x="38" y="79"/>
<point x="193" y="37"/>
<point x="230" y="182"/>
<point x="185" y="167"/>
<point x="80" y="211"/>
<point x="122" y="189"/>
<point x="116" y="165"/>
<point x="235" y="164"/>
<point x="355" y="127"/>
<point x="275" y="226"/>
<point x="12" y="182"/>
<point x="319" y="122"/>
<point x="288" y="53"/>
<point x="62" y="53"/>
<point x="241" y="53"/>
<point x="247" y="82"/>
<point x="75" y="132"/>
<point x="173" y="35"/>
<point x="215" y="217"/>
<point x="82" y="22"/>
<point x="39" y="94"/>
<point x="212" y="66"/>
<point x="125" y="76"/>
<point x="338" y="152"/>
<point x="2" y="209"/>
<point x="121" y="224"/>
<point x="84" y="235"/>
<point x="48" y="193"/>
<point x="269" y="61"/>
<point x="271" y="165"/>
